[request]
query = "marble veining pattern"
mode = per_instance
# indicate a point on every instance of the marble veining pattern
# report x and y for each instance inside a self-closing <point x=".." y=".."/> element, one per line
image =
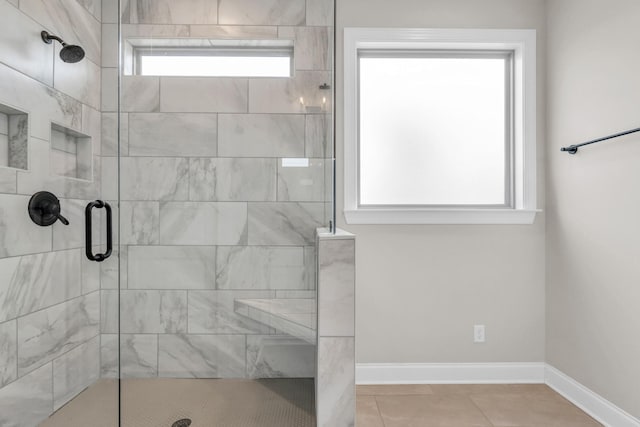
<point x="154" y="312"/>
<point x="27" y="401"/>
<point x="138" y="355"/>
<point x="256" y="135"/>
<point x="284" y="223"/>
<point x="264" y="12"/>
<point x="271" y="267"/>
<point x="49" y="333"/>
<point x="75" y="371"/>
<point x="139" y="223"/>
<point x="33" y="282"/>
<point x="336" y="299"/>
<point x="170" y="12"/>
<point x="172" y="267"/>
<point x="8" y="353"/>
<point x="185" y="94"/>
<point x="232" y="179"/>
<point x="302" y="184"/>
<point x="213" y="312"/>
<point x="18" y="145"/>
<point x="201" y="356"/>
<point x="168" y="135"/>
<point x="336" y="382"/>
<point x="192" y="223"/>
<point x="277" y="356"/>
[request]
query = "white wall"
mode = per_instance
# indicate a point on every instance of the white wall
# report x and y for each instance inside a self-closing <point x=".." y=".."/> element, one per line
<point x="420" y="289"/>
<point x="593" y="204"/>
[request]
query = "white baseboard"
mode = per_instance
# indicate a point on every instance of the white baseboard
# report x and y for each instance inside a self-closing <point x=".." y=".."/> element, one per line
<point x="497" y="373"/>
<point x="593" y="404"/>
<point x="450" y="373"/>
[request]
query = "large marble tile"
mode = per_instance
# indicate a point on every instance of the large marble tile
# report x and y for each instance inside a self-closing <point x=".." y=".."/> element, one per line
<point x="234" y="32"/>
<point x="138" y="356"/>
<point x="80" y="80"/>
<point x="139" y="223"/>
<point x="213" y="312"/>
<point x="27" y="401"/>
<point x="75" y="371"/>
<point x="146" y="178"/>
<point x="261" y="135"/>
<point x="261" y="12"/>
<point x="8" y="181"/>
<point x="26" y="54"/>
<point x="203" y="223"/>
<point x="335" y="383"/>
<point x="320" y="12"/>
<point x="171" y="12"/>
<point x="68" y="20"/>
<point x="284" y="223"/>
<point x="8" y="352"/>
<point x="153" y="312"/>
<point x="201" y="356"/>
<point x="172" y="267"/>
<point x="274" y="356"/>
<point x="336" y="294"/>
<point x="185" y="94"/>
<point x="301" y="180"/>
<point x="109" y="90"/>
<point x="110" y="134"/>
<point x="260" y="267"/>
<point x="180" y="135"/>
<point x="33" y="282"/>
<point x="94" y="7"/>
<point x="154" y="31"/>
<point x="318" y="141"/>
<point x="73" y="235"/>
<point x="26" y="94"/>
<point x="90" y="274"/>
<point x="109" y="311"/>
<point x="92" y="126"/>
<point x="276" y="95"/>
<point x="232" y="179"/>
<point x="110" y="44"/>
<point x="311" y="46"/>
<point x="140" y="94"/>
<point x="110" y="11"/>
<point x="19" y="234"/>
<point x="110" y="273"/>
<point x="49" y="333"/>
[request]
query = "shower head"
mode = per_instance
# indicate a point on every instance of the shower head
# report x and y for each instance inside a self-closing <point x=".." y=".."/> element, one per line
<point x="69" y="53"/>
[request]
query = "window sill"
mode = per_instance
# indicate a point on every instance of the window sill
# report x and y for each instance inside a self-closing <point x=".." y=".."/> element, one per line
<point x="442" y="216"/>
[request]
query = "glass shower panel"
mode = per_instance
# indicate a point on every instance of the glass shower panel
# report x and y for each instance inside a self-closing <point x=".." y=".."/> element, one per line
<point x="50" y="165"/>
<point x="224" y="177"/>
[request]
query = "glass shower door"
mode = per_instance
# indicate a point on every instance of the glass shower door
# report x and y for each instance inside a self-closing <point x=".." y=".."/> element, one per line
<point x="225" y="172"/>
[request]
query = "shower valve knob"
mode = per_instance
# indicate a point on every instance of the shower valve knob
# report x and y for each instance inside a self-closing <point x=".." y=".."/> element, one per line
<point x="44" y="209"/>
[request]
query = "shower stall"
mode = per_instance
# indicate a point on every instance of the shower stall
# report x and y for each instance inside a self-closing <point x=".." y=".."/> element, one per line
<point x="162" y="180"/>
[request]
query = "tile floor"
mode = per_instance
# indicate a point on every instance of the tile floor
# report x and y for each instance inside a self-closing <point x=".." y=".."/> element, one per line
<point x="504" y="405"/>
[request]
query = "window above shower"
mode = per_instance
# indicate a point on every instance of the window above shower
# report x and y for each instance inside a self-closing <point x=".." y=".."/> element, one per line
<point x="439" y="126"/>
<point x="209" y="58"/>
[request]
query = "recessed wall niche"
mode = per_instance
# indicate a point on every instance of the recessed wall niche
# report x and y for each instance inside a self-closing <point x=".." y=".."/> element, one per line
<point x="70" y="154"/>
<point x="14" y="137"/>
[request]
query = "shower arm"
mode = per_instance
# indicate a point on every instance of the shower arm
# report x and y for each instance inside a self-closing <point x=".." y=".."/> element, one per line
<point x="573" y="149"/>
<point x="47" y="38"/>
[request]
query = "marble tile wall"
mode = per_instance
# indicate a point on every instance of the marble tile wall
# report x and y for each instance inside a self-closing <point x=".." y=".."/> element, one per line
<point x="211" y="210"/>
<point x="335" y="377"/>
<point x="49" y="293"/>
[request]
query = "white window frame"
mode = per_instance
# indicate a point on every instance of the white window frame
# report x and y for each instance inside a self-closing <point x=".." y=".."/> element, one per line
<point x="523" y="45"/>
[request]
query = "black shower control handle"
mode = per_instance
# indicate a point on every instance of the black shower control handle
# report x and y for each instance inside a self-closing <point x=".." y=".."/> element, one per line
<point x="88" y="212"/>
<point x="44" y="209"/>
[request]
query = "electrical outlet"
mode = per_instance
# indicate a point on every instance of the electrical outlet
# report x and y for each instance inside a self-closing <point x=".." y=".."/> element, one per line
<point x="478" y="333"/>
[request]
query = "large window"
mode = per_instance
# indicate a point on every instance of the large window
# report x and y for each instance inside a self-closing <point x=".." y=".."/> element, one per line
<point x="439" y="126"/>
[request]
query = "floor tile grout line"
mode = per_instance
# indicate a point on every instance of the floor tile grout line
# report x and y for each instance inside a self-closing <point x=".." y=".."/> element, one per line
<point x="375" y="399"/>
<point x="485" y="416"/>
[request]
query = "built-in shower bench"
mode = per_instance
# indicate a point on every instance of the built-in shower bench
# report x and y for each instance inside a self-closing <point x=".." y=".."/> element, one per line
<point x="295" y="317"/>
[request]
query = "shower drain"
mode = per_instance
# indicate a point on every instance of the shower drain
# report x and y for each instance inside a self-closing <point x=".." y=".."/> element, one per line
<point x="185" y="422"/>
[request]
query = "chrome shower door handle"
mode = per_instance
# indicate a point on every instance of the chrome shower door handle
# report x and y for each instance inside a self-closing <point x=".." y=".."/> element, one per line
<point x="88" y="212"/>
